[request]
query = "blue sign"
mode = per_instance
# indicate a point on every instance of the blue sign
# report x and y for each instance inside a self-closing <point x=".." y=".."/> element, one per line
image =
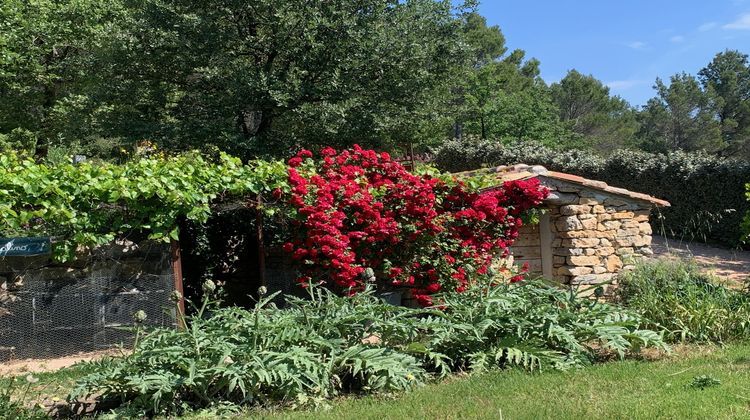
<point x="24" y="247"/>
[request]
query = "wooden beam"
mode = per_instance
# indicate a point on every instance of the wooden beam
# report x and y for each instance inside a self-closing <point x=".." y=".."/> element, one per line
<point x="545" y="235"/>
<point x="261" y="244"/>
<point x="178" y="286"/>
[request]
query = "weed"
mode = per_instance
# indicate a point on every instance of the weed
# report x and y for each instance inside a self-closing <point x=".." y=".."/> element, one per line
<point x="703" y="382"/>
<point x="688" y="305"/>
<point x="17" y="408"/>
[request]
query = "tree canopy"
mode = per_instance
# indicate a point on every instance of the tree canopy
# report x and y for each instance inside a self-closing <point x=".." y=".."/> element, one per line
<point x="267" y="77"/>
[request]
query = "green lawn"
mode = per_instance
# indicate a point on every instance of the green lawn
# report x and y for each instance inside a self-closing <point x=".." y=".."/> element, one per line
<point x="618" y="390"/>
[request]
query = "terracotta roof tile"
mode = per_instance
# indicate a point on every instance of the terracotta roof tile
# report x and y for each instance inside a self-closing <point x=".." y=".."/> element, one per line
<point x="522" y="171"/>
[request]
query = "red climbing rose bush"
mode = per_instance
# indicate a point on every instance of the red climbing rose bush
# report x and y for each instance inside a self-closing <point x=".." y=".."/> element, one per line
<point x="360" y="217"/>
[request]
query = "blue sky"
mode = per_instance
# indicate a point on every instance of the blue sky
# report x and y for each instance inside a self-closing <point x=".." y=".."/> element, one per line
<point x="626" y="44"/>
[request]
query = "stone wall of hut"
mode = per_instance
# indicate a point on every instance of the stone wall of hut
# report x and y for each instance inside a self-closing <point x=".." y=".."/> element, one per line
<point x="595" y="235"/>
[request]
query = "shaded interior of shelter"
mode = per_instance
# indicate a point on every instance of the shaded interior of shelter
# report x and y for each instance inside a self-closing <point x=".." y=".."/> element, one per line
<point x="227" y="250"/>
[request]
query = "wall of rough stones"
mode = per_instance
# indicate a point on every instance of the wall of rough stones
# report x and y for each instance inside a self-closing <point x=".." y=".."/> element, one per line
<point x="595" y="235"/>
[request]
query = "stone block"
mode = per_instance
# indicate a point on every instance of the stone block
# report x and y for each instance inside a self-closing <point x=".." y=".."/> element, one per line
<point x="642" y="240"/>
<point x="568" y="223"/>
<point x="641" y="215"/>
<point x="614" y="263"/>
<point x="580" y="242"/>
<point x="568" y="188"/>
<point x="645" y="251"/>
<point x="588" y="201"/>
<point x="645" y="228"/>
<point x="605" y="251"/>
<point x="572" y="209"/>
<point x="625" y="251"/>
<point x="567" y="251"/>
<point x="574" y="271"/>
<point x="628" y="224"/>
<point x="557" y="197"/>
<point x="591" y="278"/>
<point x="574" y="234"/>
<point x="595" y="194"/>
<point x="624" y="242"/>
<point x="622" y="232"/>
<point x="584" y="260"/>
<point x="612" y="201"/>
<point x="611" y="224"/>
<point x="607" y="234"/>
<point x="623" y="215"/>
<point x="589" y="224"/>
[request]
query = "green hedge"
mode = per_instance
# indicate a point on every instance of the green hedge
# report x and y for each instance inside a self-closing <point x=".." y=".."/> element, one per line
<point x="707" y="193"/>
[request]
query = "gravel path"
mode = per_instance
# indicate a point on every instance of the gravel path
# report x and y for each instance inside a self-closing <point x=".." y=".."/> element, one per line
<point x="729" y="264"/>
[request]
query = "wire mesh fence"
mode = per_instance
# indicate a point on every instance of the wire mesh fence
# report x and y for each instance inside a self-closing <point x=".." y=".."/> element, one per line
<point x="52" y="310"/>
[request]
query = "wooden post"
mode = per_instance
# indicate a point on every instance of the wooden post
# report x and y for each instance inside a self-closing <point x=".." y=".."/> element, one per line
<point x="545" y="236"/>
<point x="411" y="156"/>
<point x="259" y="238"/>
<point x="177" y="274"/>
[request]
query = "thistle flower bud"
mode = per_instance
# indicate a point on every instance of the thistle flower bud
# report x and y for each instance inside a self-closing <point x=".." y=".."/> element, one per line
<point x="139" y="316"/>
<point x="209" y="286"/>
<point x="262" y="290"/>
<point x="368" y="274"/>
<point x="175" y="296"/>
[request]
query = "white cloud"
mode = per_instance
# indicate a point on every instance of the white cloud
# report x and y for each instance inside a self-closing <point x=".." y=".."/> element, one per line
<point x="624" y="84"/>
<point x="677" y="39"/>
<point x="636" y="45"/>
<point x="742" y="22"/>
<point x="707" y="26"/>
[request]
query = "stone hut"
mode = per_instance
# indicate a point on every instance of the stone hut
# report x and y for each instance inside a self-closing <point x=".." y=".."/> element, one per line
<point x="589" y="230"/>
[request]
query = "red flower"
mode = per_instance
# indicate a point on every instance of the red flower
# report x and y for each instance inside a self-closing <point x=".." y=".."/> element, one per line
<point x="423" y="300"/>
<point x="304" y="154"/>
<point x="358" y="208"/>
<point x="433" y="287"/>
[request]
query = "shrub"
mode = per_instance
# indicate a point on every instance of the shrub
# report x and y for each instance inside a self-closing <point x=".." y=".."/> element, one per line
<point x="688" y="305"/>
<point x="91" y="203"/>
<point x="329" y="345"/>
<point x="707" y="193"/>
<point x="361" y="215"/>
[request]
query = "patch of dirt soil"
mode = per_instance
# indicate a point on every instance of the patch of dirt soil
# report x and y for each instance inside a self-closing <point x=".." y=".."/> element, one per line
<point x="732" y="265"/>
<point x="19" y="367"/>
